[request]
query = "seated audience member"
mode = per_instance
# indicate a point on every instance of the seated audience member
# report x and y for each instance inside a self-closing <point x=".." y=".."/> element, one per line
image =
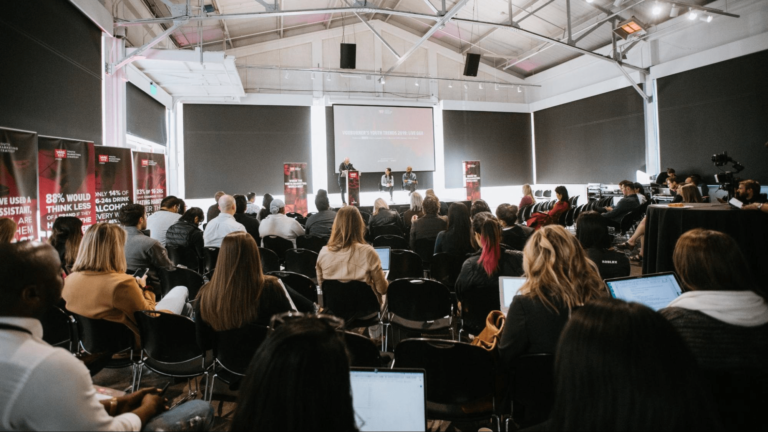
<point x="560" y="279"/>
<point x="46" y="388"/>
<point x="457" y="238"/>
<point x="479" y="206"/>
<point x="253" y="209"/>
<point x="620" y="366"/>
<point x="251" y="224"/>
<point x="266" y="202"/>
<point x="185" y="233"/>
<point x="382" y="216"/>
<point x="182" y="207"/>
<point x="640" y="192"/>
<point x="695" y="180"/>
<point x="66" y="238"/>
<point x="513" y="235"/>
<point x="661" y="179"/>
<point x="320" y="223"/>
<point x="429" y="225"/>
<point x="479" y="277"/>
<point x="528" y="198"/>
<point x="749" y="192"/>
<point x="238" y="293"/>
<point x="623" y="207"/>
<point x="689" y="193"/>
<point x="592" y="232"/>
<point x="673" y="186"/>
<point x="7" y="230"/>
<point x="302" y="359"/>
<point x="443" y="206"/>
<point x="141" y="251"/>
<point x="756" y="206"/>
<point x="159" y="221"/>
<point x="416" y="209"/>
<point x="213" y="210"/>
<point x="223" y="224"/>
<point x="99" y="287"/>
<point x="278" y="224"/>
<point x="544" y="218"/>
<point x="348" y="257"/>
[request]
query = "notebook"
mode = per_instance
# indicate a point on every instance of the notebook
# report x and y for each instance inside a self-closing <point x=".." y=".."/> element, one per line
<point x="508" y="288"/>
<point x="653" y="290"/>
<point x="384" y="254"/>
<point x="390" y="399"/>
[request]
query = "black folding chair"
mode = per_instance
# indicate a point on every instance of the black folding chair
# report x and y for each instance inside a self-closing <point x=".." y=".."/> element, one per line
<point x="425" y="248"/>
<point x="354" y="301"/>
<point x="475" y="307"/>
<point x="311" y="242"/>
<point x="366" y="216"/>
<point x="445" y="268"/>
<point x="278" y="245"/>
<point x="386" y="230"/>
<point x="391" y="241"/>
<point x="569" y="217"/>
<point x="404" y="264"/>
<point x="184" y="256"/>
<point x="301" y="261"/>
<point x="418" y="308"/>
<point x="107" y="338"/>
<point x="60" y="329"/>
<point x="531" y="389"/>
<point x="269" y="260"/>
<point x="630" y="219"/>
<point x="299" y="283"/>
<point x="363" y="351"/>
<point x="211" y="256"/>
<point x="190" y="279"/>
<point x="233" y="351"/>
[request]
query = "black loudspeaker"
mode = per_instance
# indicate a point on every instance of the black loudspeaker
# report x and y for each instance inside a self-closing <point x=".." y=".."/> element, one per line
<point x="348" y="55"/>
<point x="472" y="65"/>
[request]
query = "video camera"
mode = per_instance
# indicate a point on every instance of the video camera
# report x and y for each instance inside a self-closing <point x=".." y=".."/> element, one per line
<point x="727" y="180"/>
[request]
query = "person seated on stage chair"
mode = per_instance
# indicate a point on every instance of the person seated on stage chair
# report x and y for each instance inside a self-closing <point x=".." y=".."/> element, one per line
<point x="749" y="192"/>
<point x="348" y="257"/>
<point x="265" y="203"/>
<point x="592" y="232"/>
<point x="458" y="238"/>
<point x="278" y="224"/>
<point x="7" y="230"/>
<point x="141" y="251"/>
<point x="409" y="180"/>
<point x="479" y="206"/>
<point x="513" y="235"/>
<point x="159" y="221"/>
<point x="695" y="180"/>
<point x="416" y="209"/>
<point x="251" y="225"/>
<point x="342" y="177"/>
<point x="223" y="224"/>
<point x="46" y="388"/>
<point x="528" y="198"/>
<point x="429" y="225"/>
<point x="186" y="233"/>
<point x="66" y="238"/>
<point x="382" y="216"/>
<point x="388" y="184"/>
<point x="213" y="210"/>
<point x="253" y="209"/>
<point x="624" y="206"/>
<point x="542" y="218"/>
<point x="321" y="223"/>
<point x="640" y="192"/>
<point x="661" y="179"/>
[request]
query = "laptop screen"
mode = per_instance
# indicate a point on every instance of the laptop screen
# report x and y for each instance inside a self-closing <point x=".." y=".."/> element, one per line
<point x="383" y="256"/>
<point x="654" y="291"/>
<point x="508" y="288"/>
<point x="390" y="400"/>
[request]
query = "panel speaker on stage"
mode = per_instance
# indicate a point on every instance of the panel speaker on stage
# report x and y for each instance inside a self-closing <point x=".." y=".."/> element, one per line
<point x="344" y="167"/>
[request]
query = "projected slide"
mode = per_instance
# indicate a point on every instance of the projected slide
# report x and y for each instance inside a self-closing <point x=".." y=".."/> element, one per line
<point x="374" y="138"/>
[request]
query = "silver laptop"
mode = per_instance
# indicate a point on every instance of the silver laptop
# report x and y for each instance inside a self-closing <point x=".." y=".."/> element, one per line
<point x="653" y="290"/>
<point x="384" y="255"/>
<point x="389" y="399"/>
<point x="508" y="288"/>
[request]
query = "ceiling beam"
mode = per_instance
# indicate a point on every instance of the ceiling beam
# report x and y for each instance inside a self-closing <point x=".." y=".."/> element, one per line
<point x="511" y="20"/>
<point x="397" y="5"/>
<point x="114" y="67"/>
<point x="375" y="33"/>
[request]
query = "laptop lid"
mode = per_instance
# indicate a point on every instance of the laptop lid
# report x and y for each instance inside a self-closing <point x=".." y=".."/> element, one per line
<point x="383" y="256"/>
<point x="390" y="399"/>
<point x="508" y="288"/>
<point x="653" y="290"/>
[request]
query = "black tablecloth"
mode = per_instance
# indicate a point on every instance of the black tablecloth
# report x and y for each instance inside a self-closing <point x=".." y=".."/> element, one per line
<point x="665" y="225"/>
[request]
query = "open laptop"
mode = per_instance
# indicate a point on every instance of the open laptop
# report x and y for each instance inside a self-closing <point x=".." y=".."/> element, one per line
<point x="508" y="288"/>
<point x="653" y="290"/>
<point x="384" y="255"/>
<point x="390" y="399"/>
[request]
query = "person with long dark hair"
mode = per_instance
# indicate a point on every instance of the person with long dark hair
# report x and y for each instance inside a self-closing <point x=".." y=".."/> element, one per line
<point x="186" y="232"/>
<point x="458" y="238"/>
<point x="7" y="230"/>
<point x="66" y="238"/>
<point x="621" y="366"/>
<point x="266" y="202"/>
<point x="544" y="218"/>
<point x="298" y="380"/>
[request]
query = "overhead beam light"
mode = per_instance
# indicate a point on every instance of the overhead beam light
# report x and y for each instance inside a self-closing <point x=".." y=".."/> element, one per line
<point x="629" y="27"/>
<point x="692" y="14"/>
<point x="674" y="11"/>
<point x="707" y="18"/>
<point x="656" y="9"/>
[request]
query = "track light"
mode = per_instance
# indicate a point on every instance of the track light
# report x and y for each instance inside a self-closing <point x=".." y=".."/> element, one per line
<point x="450" y="84"/>
<point x="519" y="89"/>
<point x="382" y="81"/>
<point x="496" y="87"/>
<point x="656" y="10"/>
<point x="675" y="11"/>
<point x="287" y="75"/>
<point x="417" y="83"/>
<point x="329" y="77"/>
<point x="707" y="18"/>
<point x="480" y="86"/>
<point x="692" y="15"/>
<point x="312" y="75"/>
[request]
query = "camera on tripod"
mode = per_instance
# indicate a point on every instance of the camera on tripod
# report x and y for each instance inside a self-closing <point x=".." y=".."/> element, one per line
<point x="727" y="180"/>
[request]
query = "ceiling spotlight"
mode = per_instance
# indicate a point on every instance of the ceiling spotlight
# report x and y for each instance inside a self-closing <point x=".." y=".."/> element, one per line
<point x="312" y="75"/>
<point x="495" y="86"/>
<point x="480" y="86"/>
<point x="381" y="81"/>
<point x="629" y="27"/>
<point x="656" y="10"/>
<point x="707" y="18"/>
<point x="519" y="89"/>
<point x="692" y="15"/>
<point x="329" y="77"/>
<point x="675" y="11"/>
<point x="590" y="1"/>
<point x="417" y="83"/>
<point x="450" y="84"/>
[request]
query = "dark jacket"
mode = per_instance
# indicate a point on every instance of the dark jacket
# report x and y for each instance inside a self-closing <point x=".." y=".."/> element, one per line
<point x="251" y="226"/>
<point x="321" y="223"/>
<point x="213" y="211"/>
<point x="447" y="243"/>
<point x="408" y="215"/>
<point x="624" y="206"/>
<point x="184" y="234"/>
<point x="343" y="167"/>
<point x="427" y="227"/>
<point x="610" y="264"/>
<point x="385" y="217"/>
<point x="516" y="236"/>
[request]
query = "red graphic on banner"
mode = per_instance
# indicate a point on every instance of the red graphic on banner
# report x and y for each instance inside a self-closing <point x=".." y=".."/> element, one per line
<point x="295" y="177"/>
<point x="18" y="181"/>
<point x="149" y="176"/>
<point x="353" y="188"/>
<point x="114" y="182"/>
<point x="472" y="179"/>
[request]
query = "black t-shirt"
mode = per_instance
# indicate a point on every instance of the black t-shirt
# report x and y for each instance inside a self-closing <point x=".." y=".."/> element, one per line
<point x="610" y="264"/>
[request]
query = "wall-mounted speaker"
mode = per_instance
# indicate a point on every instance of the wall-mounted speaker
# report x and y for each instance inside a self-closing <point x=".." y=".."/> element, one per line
<point x="472" y="65"/>
<point x="348" y="55"/>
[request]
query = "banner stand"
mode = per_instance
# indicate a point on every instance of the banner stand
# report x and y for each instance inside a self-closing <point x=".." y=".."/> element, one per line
<point x="295" y="186"/>
<point x="353" y="187"/>
<point x="472" y="179"/>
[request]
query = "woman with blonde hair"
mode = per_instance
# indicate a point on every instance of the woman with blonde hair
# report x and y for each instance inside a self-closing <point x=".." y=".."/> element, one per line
<point x="348" y="257"/>
<point x="528" y="198"/>
<point x="99" y="288"/>
<point x="560" y="279"/>
<point x="382" y="215"/>
<point x="7" y="230"/>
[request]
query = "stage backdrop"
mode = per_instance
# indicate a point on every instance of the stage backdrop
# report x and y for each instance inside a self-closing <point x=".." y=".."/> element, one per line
<point x="295" y="176"/>
<point x="114" y="182"/>
<point x="66" y="179"/>
<point x="18" y="181"/>
<point x="150" y="179"/>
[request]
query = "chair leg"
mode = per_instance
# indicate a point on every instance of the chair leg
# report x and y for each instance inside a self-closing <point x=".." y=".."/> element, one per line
<point x="138" y="370"/>
<point x="498" y="422"/>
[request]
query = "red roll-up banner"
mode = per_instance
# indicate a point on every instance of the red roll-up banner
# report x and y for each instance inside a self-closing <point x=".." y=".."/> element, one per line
<point x="114" y="182"/>
<point x="472" y="179"/>
<point x="353" y="187"/>
<point x="295" y="176"/>
<point x="18" y="181"/>
<point x="66" y="181"/>
<point x="150" y="180"/>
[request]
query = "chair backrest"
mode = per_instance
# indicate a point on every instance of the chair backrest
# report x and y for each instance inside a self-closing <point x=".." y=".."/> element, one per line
<point x="538" y="193"/>
<point x="362" y="351"/>
<point x="299" y="283"/>
<point x="475" y="306"/>
<point x="311" y="242"/>
<point x="569" y="216"/>
<point x="294" y="215"/>
<point x="425" y="248"/>
<point x="562" y="217"/>
<point x="445" y="268"/>
<point x="278" y="245"/>
<point x="390" y="240"/>
<point x="573" y="200"/>
<point x="449" y="379"/>
<point x="532" y="385"/>
<point x="419" y="299"/>
<point x="404" y="264"/>
<point x="521" y="213"/>
<point x="269" y="260"/>
<point x="192" y="280"/>
<point x="99" y="336"/>
<point x="166" y="337"/>
<point x="211" y="256"/>
<point x="386" y="229"/>
<point x="235" y="348"/>
<point x="349" y="300"/>
<point x="186" y="256"/>
<point x="366" y="216"/>
<point x="547" y="194"/>
<point x="57" y="328"/>
<point x="634" y="216"/>
<point x="301" y="261"/>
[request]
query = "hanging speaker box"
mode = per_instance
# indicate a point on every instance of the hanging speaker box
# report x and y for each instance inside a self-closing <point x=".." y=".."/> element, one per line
<point x="348" y="55"/>
<point x="472" y="65"/>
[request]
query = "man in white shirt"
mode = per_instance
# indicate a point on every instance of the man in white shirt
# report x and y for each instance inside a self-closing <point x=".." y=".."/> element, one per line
<point x="223" y="224"/>
<point x="46" y="388"/>
<point x="159" y="221"/>
<point x="252" y="209"/>
<point x="278" y="224"/>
